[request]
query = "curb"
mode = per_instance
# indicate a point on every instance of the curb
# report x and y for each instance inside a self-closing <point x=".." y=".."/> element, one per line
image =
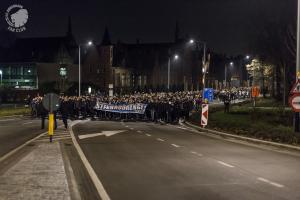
<point x="252" y="140"/>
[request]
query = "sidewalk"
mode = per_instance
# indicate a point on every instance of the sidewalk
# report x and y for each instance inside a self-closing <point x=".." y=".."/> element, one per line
<point x="39" y="175"/>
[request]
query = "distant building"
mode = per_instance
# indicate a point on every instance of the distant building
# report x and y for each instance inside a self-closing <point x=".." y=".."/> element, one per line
<point x="31" y="63"/>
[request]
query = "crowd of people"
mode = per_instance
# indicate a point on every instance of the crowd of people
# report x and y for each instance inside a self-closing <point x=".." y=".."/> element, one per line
<point x="161" y="107"/>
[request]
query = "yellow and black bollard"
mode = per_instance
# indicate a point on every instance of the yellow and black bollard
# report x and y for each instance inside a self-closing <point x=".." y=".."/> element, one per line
<point x="51" y="126"/>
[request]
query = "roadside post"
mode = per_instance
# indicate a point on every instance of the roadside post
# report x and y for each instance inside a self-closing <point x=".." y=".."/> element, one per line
<point x="204" y="115"/>
<point x="294" y="102"/>
<point x="51" y="103"/>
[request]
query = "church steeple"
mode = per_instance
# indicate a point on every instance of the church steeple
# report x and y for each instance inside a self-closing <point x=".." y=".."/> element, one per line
<point x="69" y="31"/>
<point x="177" y="32"/>
<point x="106" y="38"/>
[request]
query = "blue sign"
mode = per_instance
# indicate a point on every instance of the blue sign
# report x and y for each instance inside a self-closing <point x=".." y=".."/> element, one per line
<point x="209" y="94"/>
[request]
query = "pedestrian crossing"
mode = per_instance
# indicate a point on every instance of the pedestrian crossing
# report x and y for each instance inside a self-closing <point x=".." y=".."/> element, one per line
<point x="59" y="135"/>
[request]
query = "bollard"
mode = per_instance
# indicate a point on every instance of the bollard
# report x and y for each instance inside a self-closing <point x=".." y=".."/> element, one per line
<point x="51" y="126"/>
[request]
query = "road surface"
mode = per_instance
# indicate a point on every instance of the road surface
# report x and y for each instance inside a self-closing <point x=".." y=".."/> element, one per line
<point x="153" y="161"/>
<point x="16" y="131"/>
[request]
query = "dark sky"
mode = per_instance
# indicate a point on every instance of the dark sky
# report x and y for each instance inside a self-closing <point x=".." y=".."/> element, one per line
<point x="229" y="26"/>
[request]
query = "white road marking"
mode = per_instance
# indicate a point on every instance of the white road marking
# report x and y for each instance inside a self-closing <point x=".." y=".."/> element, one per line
<point x="5" y="120"/>
<point x="194" y="152"/>
<point x="181" y="128"/>
<point x="106" y="133"/>
<point x="131" y="128"/>
<point x="159" y="139"/>
<point x="225" y="164"/>
<point x="148" y="134"/>
<point x="175" y="145"/>
<point x="127" y="126"/>
<point x="99" y="186"/>
<point x="139" y="131"/>
<point x="27" y="123"/>
<point x="270" y="182"/>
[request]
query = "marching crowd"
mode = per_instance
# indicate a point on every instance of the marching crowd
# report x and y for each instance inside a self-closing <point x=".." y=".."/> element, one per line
<point x="168" y="107"/>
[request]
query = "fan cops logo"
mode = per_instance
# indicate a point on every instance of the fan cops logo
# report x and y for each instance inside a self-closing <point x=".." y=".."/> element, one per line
<point x="16" y="17"/>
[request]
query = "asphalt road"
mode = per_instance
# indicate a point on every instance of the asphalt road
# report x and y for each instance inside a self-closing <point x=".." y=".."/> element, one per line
<point x="152" y="161"/>
<point x="16" y="131"/>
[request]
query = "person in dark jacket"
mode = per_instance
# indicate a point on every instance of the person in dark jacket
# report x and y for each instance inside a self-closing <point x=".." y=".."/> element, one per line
<point x="64" y="110"/>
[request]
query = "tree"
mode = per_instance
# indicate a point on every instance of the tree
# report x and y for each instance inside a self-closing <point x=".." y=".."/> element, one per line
<point x="260" y="73"/>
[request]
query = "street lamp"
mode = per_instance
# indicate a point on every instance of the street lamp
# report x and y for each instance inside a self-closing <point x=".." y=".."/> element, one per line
<point x="1" y="76"/>
<point x="225" y="75"/>
<point x="176" y="57"/>
<point x="247" y="57"/>
<point x="90" y="43"/>
<point x="204" y="68"/>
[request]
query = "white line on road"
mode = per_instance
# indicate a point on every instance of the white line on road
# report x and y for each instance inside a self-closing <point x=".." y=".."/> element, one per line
<point x="127" y="126"/>
<point x="194" y="152"/>
<point x="99" y="186"/>
<point x="139" y="131"/>
<point x="270" y="182"/>
<point x="225" y="164"/>
<point x="5" y="120"/>
<point x="148" y="134"/>
<point x="181" y="128"/>
<point x="159" y="139"/>
<point x="27" y="123"/>
<point x="175" y="145"/>
<point x="131" y="128"/>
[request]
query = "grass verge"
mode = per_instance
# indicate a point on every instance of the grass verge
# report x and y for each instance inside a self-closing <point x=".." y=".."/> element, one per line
<point x="271" y="125"/>
<point x="14" y="111"/>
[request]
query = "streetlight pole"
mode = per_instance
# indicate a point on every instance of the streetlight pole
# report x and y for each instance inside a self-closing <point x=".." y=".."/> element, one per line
<point x="296" y="116"/>
<point x="169" y="70"/>
<point x="1" y="76"/>
<point x="79" y="66"/>
<point x="79" y="72"/>
<point x="225" y="76"/>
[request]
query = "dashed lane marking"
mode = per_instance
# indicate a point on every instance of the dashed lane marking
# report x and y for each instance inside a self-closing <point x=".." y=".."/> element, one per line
<point x="159" y="139"/>
<point x="131" y="128"/>
<point x="27" y="123"/>
<point x="148" y="134"/>
<point x="270" y="182"/>
<point x="195" y="153"/>
<point x="225" y="164"/>
<point x="175" y="145"/>
<point x="139" y="131"/>
<point x="181" y="128"/>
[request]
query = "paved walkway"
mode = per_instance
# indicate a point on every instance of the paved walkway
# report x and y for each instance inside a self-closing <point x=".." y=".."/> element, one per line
<point x="39" y="175"/>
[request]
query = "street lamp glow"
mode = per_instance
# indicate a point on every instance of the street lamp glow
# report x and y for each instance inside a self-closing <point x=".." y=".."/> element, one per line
<point x="90" y="43"/>
<point x="176" y="57"/>
<point x="231" y="63"/>
<point x="0" y="72"/>
<point x="192" y="41"/>
<point x="247" y="57"/>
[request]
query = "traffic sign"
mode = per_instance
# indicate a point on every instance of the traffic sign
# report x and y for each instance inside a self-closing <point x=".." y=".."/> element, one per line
<point x="294" y="102"/>
<point x="209" y="94"/>
<point x="296" y="88"/>
<point x="51" y="102"/>
<point x="204" y="116"/>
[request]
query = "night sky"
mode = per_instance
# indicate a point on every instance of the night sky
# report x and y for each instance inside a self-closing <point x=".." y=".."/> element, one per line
<point x="229" y="26"/>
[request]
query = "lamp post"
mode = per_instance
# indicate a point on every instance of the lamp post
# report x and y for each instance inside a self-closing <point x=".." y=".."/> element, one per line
<point x="90" y="43"/>
<point x="225" y="74"/>
<point x="204" y="68"/>
<point x="176" y="57"/>
<point x="296" y="115"/>
<point x="1" y="76"/>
